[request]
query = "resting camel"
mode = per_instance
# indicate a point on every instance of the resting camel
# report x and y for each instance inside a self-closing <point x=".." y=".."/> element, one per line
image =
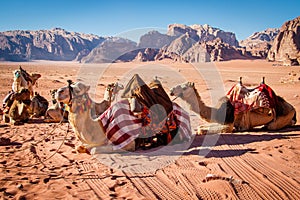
<point x="16" y="109"/>
<point x="223" y="113"/>
<point x="110" y="94"/>
<point x="273" y="114"/>
<point x="38" y="106"/>
<point x="88" y="130"/>
<point x="57" y="113"/>
<point x="24" y="80"/>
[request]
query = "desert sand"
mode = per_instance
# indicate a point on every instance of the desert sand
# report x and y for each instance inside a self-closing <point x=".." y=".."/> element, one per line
<point x="38" y="160"/>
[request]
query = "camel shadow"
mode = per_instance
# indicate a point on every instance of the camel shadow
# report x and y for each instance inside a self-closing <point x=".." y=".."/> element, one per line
<point x="206" y="142"/>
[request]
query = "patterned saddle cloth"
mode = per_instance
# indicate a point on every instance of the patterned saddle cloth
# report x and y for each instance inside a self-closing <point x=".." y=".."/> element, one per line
<point x="244" y="99"/>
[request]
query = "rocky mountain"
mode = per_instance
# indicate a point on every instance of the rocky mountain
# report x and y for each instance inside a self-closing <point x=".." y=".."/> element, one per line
<point x="200" y="43"/>
<point x="286" y="45"/>
<point x="149" y="54"/>
<point x="195" y="43"/>
<point x="259" y="43"/>
<point x="203" y="33"/>
<point x="182" y="43"/>
<point x="113" y="49"/>
<point x="154" y="40"/>
<point x="55" y="44"/>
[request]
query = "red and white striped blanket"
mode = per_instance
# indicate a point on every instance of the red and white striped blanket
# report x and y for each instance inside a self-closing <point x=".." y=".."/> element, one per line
<point x="244" y="99"/>
<point x="122" y="127"/>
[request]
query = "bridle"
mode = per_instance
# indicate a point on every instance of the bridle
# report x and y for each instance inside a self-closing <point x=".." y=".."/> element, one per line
<point x="70" y="91"/>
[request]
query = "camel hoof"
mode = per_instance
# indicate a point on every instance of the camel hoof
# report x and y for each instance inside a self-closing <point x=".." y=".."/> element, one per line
<point x="214" y="129"/>
<point x="82" y="149"/>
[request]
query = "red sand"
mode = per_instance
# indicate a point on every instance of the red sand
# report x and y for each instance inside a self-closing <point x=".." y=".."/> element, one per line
<point x="248" y="165"/>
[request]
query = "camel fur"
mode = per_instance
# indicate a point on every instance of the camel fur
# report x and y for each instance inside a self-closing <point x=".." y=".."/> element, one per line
<point x="55" y="113"/>
<point x="110" y="93"/>
<point x="222" y="114"/>
<point x="38" y="106"/>
<point x="89" y="131"/>
<point x="16" y="110"/>
<point x="24" y="80"/>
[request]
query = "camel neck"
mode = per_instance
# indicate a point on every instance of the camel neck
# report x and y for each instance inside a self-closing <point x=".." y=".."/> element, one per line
<point x="198" y="106"/>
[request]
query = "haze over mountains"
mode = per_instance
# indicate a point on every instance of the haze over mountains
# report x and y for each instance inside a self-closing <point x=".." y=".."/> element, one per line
<point x="195" y="43"/>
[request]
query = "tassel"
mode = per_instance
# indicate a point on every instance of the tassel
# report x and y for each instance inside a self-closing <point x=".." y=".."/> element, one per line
<point x="169" y="138"/>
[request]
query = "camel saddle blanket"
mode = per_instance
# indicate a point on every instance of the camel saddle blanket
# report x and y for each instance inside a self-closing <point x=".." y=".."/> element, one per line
<point x="122" y="126"/>
<point x="245" y="99"/>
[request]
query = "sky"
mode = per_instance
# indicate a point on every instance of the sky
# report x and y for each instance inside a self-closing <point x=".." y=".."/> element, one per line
<point x="133" y="18"/>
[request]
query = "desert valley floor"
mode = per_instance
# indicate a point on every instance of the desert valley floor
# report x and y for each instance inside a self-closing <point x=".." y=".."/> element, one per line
<point x="39" y="162"/>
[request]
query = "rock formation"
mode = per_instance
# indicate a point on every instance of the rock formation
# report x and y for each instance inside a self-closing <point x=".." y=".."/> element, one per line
<point x="147" y="54"/>
<point x="55" y="44"/>
<point x="113" y="49"/>
<point x="286" y="45"/>
<point x="154" y="40"/>
<point x="259" y="43"/>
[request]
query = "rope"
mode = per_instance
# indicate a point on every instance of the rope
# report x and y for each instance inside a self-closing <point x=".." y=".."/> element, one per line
<point x="39" y="141"/>
<point x="33" y="150"/>
<point x="175" y="98"/>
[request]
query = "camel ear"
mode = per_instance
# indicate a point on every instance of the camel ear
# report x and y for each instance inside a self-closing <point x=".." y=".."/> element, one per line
<point x="79" y="88"/>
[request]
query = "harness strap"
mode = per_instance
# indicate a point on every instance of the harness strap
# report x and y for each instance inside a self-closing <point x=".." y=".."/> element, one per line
<point x="70" y="91"/>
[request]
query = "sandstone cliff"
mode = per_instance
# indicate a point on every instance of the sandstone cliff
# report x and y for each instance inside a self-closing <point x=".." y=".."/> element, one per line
<point x="259" y="43"/>
<point x="286" y="45"/>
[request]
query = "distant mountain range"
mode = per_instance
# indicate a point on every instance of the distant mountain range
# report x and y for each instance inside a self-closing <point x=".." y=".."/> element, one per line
<point x="55" y="44"/>
<point x="195" y="43"/>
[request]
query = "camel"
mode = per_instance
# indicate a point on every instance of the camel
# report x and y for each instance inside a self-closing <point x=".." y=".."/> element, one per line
<point x="24" y="80"/>
<point x="38" y="106"/>
<point x="88" y="130"/>
<point x="275" y="117"/>
<point x="16" y="109"/>
<point x="110" y="94"/>
<point x="57" y="113"/>
<point x="260" y="106"/>
<point x="223" y="113"/>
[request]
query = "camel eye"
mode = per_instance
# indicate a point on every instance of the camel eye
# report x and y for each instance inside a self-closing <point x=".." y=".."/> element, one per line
<point x="17" y="74"/>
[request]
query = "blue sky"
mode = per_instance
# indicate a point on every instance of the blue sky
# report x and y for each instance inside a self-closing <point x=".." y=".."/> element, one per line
<point x="112" y="17"/>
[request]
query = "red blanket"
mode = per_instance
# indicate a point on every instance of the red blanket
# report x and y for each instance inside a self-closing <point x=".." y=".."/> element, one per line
<point x="122" y="127"/>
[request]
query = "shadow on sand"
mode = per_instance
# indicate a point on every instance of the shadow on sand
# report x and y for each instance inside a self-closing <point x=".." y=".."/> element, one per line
<point x="230" y="139"/>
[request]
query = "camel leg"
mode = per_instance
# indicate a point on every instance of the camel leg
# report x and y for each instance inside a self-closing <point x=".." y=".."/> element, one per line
<point x="109" y="149"/>
<point x="282" y="121"/>
<point x="53" y="116"/>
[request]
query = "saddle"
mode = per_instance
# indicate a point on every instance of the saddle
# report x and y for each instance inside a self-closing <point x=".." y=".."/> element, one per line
<point x="245" y="99"/>
<point x="155" y="109"/>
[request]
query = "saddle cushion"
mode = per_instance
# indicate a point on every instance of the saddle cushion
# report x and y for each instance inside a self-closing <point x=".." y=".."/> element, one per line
<point x="244" y="99"/>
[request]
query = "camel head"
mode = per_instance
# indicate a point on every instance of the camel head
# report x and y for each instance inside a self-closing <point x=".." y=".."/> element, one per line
<point x="65" y="94"/>
<point x="53" y="93"/>
<point x="112" y="90"/>
<point x="183" y="90"/>
<point x="17" y="75"/>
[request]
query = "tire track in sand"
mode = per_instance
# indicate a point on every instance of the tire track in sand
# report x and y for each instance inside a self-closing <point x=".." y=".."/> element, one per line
<point x="273" y="183"/>
<point x="246" y="173"/>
